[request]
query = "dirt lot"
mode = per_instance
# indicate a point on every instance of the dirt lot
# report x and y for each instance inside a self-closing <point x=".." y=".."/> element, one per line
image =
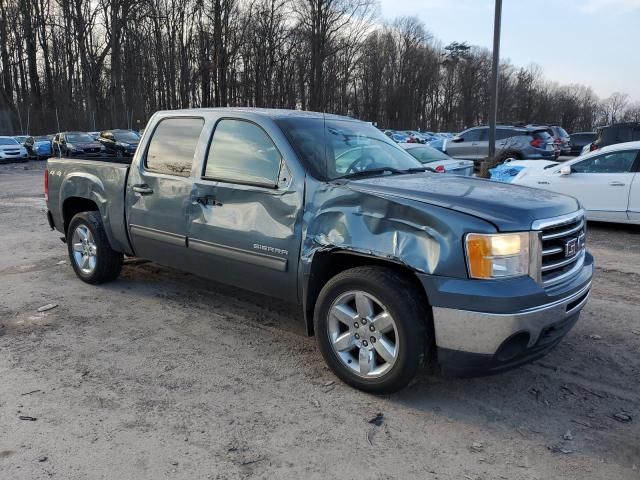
<point x="164" y="375"/>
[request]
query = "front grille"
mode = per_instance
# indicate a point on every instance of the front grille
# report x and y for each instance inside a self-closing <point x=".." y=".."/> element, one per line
<point x="91" y="150"/>
<point x="563" y="247"/>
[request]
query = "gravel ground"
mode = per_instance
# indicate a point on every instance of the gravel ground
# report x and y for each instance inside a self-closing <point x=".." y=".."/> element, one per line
<point x="163" y="375"/>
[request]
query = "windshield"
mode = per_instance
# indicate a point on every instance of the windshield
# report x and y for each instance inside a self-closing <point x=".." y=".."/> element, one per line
<point x="79" y="138"/>
<point x="337" y="148"/>
<point x="426" y="154"/>
<point x="42" y="138"/>
<point x="8" y="141"/>
<point x="21" y="138"/>
<point x="128" y="137"/>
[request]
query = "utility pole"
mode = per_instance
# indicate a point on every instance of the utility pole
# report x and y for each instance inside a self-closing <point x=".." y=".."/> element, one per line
<point x="493" y="101"/>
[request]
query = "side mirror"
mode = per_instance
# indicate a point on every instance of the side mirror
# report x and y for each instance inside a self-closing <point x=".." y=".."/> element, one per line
<point x="457" y="139"/>
<point x="565" y="170"/>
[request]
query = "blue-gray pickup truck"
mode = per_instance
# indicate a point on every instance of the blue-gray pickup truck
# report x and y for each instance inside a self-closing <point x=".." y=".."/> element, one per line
<point x="395" y="267"/>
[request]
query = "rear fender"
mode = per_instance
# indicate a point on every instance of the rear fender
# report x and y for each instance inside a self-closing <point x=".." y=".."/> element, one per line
<point x="90" y="187"/>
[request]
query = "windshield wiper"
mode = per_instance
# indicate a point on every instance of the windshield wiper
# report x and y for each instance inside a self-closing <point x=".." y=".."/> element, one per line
<point x="373" y="171"/>
<point x="419" y="169"/>
<point x="392" y="170"/>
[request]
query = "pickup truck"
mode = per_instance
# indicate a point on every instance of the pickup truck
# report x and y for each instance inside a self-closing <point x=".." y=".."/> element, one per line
<point x="395" y="267"/>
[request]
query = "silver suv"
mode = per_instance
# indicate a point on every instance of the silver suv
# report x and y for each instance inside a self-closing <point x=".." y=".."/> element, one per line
<point x="511" y="142"/>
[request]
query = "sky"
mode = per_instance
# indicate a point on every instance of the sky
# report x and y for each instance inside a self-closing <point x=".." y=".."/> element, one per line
<point x="592" y="42"/>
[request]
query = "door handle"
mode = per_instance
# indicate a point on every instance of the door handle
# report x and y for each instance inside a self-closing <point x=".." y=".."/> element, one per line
<point x="617" y="184"/>
<point x="142" y="189"/>
<point x="207" y="200"/>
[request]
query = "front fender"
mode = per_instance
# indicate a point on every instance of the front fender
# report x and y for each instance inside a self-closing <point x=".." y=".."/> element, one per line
<point x="426" y="238"/>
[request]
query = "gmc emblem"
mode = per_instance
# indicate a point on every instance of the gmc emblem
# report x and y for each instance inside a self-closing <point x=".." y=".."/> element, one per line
<point x="571" y="247"/>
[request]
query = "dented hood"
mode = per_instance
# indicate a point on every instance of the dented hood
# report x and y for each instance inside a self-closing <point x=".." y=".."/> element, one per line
<point x="508" y="207"/>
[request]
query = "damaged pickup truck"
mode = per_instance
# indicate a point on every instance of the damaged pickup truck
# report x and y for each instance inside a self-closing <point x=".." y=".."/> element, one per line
<point x="394" y="267"/>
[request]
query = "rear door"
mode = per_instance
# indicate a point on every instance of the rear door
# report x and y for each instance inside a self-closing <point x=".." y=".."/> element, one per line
<point x="159" y="191"/>
<point x="246" y="211"/>
<point x="602" y="184"/>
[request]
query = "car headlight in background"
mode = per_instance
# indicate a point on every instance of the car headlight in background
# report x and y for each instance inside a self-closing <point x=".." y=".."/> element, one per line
<point x="122" y="144"/>
<point x="497" y="255"/>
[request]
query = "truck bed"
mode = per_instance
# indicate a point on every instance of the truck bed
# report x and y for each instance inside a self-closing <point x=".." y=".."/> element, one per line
<point x="101" y="180"/>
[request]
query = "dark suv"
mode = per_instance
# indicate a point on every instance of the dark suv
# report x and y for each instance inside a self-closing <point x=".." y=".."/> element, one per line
<point x="121" y="143"/>
<point x="616" y="133"/>
<point x="511" y="143"/>
<point x="75" y="144"/>
<point x="580" y="139"/>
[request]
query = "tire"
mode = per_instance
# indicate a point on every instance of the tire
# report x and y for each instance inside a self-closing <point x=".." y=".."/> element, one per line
<point x="399" y="298"/>
<point x="509" y="155"/>
<point x="103" y="263"/>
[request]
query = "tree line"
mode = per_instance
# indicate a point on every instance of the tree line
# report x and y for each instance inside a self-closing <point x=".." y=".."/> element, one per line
<point x="93" y="64"/>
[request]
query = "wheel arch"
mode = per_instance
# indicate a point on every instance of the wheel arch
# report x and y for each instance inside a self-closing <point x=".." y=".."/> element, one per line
<point x="327" y="264"/>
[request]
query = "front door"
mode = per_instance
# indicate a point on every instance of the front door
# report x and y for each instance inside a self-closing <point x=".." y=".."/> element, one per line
<point x="602" y="184"/>
<point x="466" y="146"/>
<point x="159" y="191"/>
<point x="246" y="213"/>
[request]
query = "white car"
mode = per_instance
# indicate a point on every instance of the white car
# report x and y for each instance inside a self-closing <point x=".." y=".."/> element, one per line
<point x="438" y="161"/>
<point x="11" y="150"/>
<point x="606" y="182"/>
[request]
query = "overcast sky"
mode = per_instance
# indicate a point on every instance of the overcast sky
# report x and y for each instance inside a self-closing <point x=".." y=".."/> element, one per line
<point x="593" y="42"/>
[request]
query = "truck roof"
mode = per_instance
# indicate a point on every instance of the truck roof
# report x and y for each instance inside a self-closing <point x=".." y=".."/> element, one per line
<point x="267" y="112"/>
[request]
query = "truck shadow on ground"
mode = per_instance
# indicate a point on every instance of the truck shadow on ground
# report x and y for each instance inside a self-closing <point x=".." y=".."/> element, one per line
<point x="553" y="401"/>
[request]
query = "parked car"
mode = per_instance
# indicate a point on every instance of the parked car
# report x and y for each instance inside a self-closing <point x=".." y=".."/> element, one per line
<point x="512" y="143"/>
<point x="38" y="147"/>
<point x="616" y="133"/>
<point x="397" y="137"/>
<point x="121" y="143"/>
<point x="79" y="144"/>
<point x="414" y="137"/>
<point x="438" y="161"/>
<point x="439" y="143"/>
<point x="560" y="137"/>
<point x="580" y="139"/>
<point x="393" y="266"/>
<point x="606" y="182"/>
<point x="21" y="138"/>
<point x="11" y="150"/>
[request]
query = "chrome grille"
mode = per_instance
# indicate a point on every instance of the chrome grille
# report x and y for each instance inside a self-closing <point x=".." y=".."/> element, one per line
<point x="563" y="247"/>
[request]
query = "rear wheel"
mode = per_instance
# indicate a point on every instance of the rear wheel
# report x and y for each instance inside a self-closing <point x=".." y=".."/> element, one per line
<point x="370" y="323"/>
<point x="508" y="157"/>
<point x="92" y="258"/>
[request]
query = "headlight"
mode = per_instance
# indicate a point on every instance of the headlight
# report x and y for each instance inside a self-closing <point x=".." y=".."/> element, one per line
<point x="499" y="255"/>
<point x="122" y="144"/>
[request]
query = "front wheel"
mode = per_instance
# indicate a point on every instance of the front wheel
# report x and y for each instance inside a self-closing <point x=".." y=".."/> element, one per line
<point x="91" y="255"/>
<point x="370" y="324"/>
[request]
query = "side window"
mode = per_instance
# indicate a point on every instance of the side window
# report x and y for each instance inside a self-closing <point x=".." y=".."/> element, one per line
<point x="472" y="135"/>
<point x="242" y="152"/>
<point x="502" y="133"/>
<point x="173" y="146"/>
<point x="615" y="162"/>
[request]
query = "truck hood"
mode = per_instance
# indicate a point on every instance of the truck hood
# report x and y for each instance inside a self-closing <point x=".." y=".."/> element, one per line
<point x="508" y="207"/>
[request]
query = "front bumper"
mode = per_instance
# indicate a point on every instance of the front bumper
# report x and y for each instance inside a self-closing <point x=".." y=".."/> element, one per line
<point x="502" y="324"/>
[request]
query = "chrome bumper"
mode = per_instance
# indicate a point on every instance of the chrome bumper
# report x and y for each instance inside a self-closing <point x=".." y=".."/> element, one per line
<point x="484" y="333"/>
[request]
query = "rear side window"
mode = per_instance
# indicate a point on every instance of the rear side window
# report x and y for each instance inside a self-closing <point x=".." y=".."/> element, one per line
<point x="241" y="152"/>
<point x="502" y="133"/>
<point x="173" y="146"/>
